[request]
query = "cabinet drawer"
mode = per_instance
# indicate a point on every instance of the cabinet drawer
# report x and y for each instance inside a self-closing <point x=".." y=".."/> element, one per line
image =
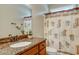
<point x="42" y="45"/>
<point x="42" y="52"/>
<point x="32" y="51"/>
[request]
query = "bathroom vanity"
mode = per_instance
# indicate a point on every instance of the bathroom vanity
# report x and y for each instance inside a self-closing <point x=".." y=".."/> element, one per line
<point x="37" y="47"/>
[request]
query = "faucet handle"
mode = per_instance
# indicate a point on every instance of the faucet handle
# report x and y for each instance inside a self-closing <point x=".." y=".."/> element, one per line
<point x="16" y="37"/>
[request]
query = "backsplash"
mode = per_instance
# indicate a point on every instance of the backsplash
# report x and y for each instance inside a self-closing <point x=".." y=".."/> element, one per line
<point x="8" y="39"/>
<point x="63" y="29"/>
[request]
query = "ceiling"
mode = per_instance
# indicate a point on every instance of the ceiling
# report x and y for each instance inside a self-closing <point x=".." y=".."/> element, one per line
<point x="39" y="9"/>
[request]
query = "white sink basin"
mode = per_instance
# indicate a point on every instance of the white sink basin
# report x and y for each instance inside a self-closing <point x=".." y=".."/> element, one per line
<point x="20" y="44"/>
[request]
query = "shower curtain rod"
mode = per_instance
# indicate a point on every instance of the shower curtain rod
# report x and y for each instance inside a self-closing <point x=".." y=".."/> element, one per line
<point x="76" y="8"/>
<point x="27" y="16"/>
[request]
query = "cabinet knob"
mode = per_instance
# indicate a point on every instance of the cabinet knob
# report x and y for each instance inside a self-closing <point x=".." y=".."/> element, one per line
<point x="42" y="44"/>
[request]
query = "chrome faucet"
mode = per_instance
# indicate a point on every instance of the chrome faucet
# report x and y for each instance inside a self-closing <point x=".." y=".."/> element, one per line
<point x="13" y="38"/>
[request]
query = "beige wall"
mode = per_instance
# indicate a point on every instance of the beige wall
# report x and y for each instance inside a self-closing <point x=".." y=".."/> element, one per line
<point x="37" y="26"/>
<point x="37" y="21"/>
<point x="8" y="14"/>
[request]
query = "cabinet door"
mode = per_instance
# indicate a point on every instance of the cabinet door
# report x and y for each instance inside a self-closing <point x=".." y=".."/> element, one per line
<point x="32" y="51"/>
<point x="77" y="49"/>
<point x="42" y="45"/>
<point x="42" y="52"/>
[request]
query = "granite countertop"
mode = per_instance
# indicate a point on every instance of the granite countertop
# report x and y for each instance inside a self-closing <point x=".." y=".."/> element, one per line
<point x="5" y="48"/>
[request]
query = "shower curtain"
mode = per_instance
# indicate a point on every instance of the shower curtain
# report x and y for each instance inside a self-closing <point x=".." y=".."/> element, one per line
<point x="61" y="30"/>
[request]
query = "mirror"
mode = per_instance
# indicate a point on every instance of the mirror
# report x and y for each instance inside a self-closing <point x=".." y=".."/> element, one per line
<point x="12" y="18"/>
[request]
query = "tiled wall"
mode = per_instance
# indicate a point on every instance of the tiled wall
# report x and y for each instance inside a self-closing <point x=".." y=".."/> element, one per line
<point x="62" y="30"/>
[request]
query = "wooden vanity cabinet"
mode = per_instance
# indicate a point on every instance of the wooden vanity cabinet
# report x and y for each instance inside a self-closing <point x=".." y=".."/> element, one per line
<point x="42" y="48"/>
<point x="39" y="49"/>
<point x="31" y="51"/>
<point x="77" y="49"/>
<point x="42" y="52"/>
